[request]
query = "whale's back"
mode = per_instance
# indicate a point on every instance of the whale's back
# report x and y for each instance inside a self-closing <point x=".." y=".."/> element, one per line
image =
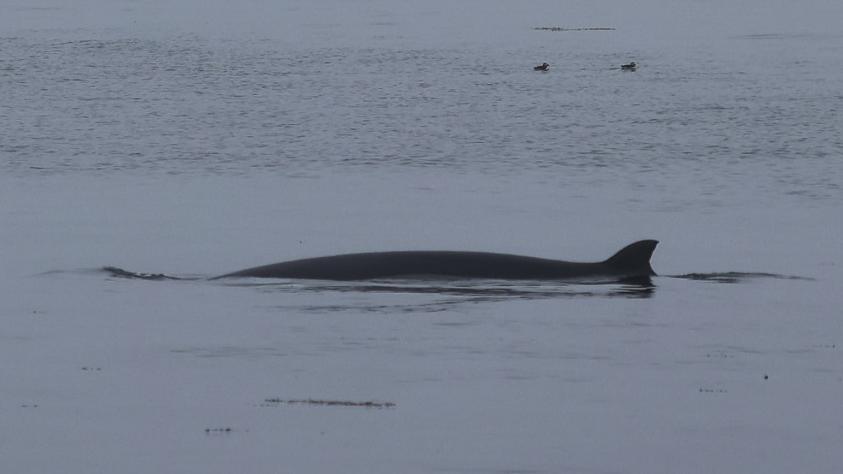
<point x="631" y="261"/>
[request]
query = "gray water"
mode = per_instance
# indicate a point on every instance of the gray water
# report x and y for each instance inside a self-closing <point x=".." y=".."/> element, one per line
<point x="196" y="138"/>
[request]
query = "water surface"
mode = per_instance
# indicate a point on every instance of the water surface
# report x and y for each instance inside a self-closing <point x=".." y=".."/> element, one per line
<point x="188" y="139"/>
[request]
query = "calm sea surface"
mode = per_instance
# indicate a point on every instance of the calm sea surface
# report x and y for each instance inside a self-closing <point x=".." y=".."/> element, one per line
<point x="196" y="138"/>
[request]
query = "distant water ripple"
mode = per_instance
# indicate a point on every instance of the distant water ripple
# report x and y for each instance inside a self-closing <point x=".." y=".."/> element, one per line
<point x="181" y="105"/>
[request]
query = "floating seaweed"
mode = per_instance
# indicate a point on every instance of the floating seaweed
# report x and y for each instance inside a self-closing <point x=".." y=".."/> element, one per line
<point x="559" y="28"/>
<point x="340" y="403"/>
<point x="218" y="430"/>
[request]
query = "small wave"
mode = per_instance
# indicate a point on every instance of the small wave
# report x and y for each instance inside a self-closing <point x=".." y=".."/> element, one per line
<point x="816" y="35"/>
<point x="121" y="273"/>
<point x="737" y="277"/>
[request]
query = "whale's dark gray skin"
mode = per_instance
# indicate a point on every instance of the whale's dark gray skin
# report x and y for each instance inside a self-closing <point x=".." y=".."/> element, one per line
<point x="633" y="261"/>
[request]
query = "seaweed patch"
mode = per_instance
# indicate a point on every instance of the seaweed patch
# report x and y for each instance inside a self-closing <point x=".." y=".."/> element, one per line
<point x="559" y="28"/>
<point x="334" y="403"/>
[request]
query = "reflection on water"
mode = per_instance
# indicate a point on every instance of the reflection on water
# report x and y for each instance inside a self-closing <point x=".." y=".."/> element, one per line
<point x="447" y="294"/>
<point x="498" y="289"/>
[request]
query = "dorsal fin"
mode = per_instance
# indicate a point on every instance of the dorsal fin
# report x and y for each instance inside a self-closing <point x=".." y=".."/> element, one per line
<point x="634" y="256"/>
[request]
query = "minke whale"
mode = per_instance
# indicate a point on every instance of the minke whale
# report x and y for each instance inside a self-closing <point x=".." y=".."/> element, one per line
<point x="630" y="263"/>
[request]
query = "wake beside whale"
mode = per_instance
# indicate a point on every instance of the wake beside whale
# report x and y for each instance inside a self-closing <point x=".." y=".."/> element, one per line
<point x="631" y="262"/>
